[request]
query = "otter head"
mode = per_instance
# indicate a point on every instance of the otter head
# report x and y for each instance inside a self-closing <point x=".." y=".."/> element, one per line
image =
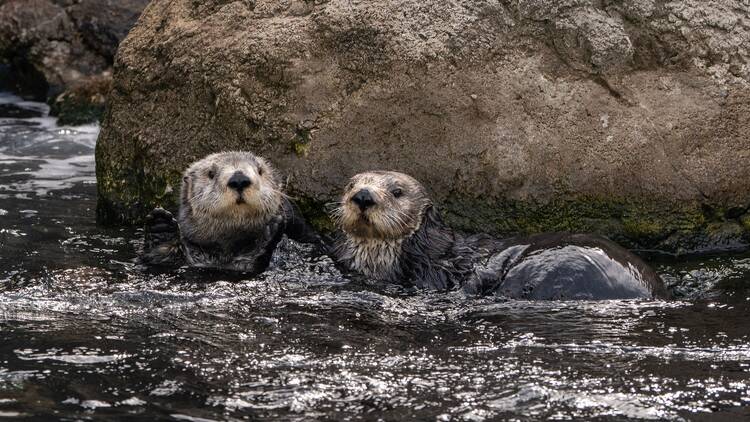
<point x="382" y="205"/>
<point x="229" y="191"/>
<point x="393" y="232"/>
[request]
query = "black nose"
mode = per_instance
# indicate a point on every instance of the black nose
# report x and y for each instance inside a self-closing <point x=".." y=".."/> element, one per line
<point x="239" y="181"/>
<point x="363" y="199"/>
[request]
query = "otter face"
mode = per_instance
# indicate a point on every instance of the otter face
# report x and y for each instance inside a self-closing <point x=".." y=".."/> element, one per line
<point x="381" y="205"/>
<point x="238" y="188"/>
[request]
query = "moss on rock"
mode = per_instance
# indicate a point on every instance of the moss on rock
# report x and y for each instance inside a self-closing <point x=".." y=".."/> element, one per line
<point x="316" y="213"/>
<point x="670" y="227"/>
<point x="745" y="221"/>
<point x="138" y="191"/>
<point x="82" y="103"/>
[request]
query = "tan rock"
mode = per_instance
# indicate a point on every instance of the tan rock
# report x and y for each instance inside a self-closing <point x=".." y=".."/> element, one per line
<point x="630" y="120"/>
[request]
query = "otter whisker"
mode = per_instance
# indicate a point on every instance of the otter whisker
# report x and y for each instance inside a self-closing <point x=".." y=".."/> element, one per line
<point x="336" y="212"/>
<point x="331" y="206"/>
<point x="282" y="194"/>
<point x="226" y="212"/>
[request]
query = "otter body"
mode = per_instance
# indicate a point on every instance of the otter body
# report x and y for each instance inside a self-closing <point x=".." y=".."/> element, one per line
<point x="392" y="231"/>
<point x="564" y="266"/>
<point x="232" y="215"/>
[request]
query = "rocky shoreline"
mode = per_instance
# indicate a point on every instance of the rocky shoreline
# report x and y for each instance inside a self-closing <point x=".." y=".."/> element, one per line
<point x="62" y="51"/>
<point x="628" y="119"/>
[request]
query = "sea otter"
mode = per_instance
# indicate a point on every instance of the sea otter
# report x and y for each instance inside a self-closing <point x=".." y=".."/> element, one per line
<point x="232" y="214"/>
<point x="392" y="231"/>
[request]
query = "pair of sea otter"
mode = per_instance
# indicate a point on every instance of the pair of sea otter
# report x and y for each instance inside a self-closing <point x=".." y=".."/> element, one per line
<point x="233" y="214"/>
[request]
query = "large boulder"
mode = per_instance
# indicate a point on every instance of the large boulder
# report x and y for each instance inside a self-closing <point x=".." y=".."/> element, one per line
<point x="49" y="45"/>
<point x="628" y="118"/>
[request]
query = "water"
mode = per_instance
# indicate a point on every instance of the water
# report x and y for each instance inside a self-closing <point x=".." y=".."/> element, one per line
<point x="86" y="334"/>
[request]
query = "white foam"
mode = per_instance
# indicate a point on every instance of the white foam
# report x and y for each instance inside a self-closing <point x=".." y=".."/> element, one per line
<point x="74" y="358"/>
<point x="94" y="404"/>
<point x="8" y="98"/>
<point x="133" y="401"/>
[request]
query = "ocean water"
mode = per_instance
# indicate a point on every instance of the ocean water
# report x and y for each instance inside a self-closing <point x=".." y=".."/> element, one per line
<point x="85" y="334"/>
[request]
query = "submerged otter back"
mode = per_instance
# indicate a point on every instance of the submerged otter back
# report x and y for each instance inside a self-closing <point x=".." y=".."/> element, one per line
<point x="566" y="267"/>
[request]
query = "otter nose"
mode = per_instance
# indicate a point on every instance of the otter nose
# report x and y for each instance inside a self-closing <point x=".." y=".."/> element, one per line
<point x="363" y="199"/>
<point x="239" y="181"/>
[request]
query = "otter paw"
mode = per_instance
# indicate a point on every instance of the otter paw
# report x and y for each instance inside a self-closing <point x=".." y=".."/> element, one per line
<point x="273" y="227"/>
<point x="161" y="226"/>
<point x="160" y="220"/>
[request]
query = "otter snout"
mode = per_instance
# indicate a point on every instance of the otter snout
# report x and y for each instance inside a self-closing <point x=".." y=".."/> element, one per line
<point x="363" y="199"/>
<point x="239" y="181"/>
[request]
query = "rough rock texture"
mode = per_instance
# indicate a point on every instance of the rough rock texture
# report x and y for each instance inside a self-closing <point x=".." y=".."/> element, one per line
<point x="46" y="45"/>
<point x="83" y="102"/>
<point x="629" y="118"/>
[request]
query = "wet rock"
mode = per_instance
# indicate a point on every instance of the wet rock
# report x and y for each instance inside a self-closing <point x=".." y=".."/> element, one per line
<point x="46" y="45"/>
<point x="83" y="102"/>
<point x="625" y="118"/>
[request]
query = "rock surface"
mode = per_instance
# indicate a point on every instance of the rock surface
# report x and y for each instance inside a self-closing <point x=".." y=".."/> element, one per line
<point x="47" y="45"/>
<point x="627" y="118"/>
<point x="83" y="101"/>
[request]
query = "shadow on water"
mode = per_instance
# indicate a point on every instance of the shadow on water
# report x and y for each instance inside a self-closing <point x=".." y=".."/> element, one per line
<point x="84" y="333"/>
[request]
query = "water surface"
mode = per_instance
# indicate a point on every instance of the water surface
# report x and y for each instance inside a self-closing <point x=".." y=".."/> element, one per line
<point x="85" y="334"/>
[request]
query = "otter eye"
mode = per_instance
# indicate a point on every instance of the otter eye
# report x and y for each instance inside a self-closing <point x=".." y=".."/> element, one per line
<point x="211" y="174"/>
<point x="397" y="192"/>
<point x="260" y="171"/>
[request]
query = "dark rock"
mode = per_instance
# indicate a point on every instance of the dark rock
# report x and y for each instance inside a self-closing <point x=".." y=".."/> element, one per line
<point x="625" y="118"/>
<point x="46" y="45"/>
<point x="21" y="77"/>
<point x="104" y="23"/>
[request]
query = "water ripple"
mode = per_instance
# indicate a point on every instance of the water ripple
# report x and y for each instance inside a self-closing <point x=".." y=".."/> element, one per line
<point x="87" y="334"/>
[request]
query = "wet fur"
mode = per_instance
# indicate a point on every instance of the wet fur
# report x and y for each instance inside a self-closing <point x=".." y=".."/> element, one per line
<point x="426" y="253"/>
<point x="376" y="258"/>
<point x="217" y="227"/>
<point x="208" y="209"/>
<point x="403" y="238"/>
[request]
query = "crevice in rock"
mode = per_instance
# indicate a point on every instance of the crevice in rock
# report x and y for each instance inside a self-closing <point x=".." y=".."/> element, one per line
<point x="19" y="76"/>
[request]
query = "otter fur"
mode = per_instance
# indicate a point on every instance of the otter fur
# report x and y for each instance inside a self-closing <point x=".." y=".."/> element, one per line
<point x="232" y="215"/>
<point x="391" y="230"/>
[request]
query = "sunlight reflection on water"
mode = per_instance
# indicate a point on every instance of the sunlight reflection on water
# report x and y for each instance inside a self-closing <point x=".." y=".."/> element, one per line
<point x="84" y="333"/>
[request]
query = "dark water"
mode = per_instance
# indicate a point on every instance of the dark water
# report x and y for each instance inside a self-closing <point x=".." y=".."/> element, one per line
<point x="84" y="334"/>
